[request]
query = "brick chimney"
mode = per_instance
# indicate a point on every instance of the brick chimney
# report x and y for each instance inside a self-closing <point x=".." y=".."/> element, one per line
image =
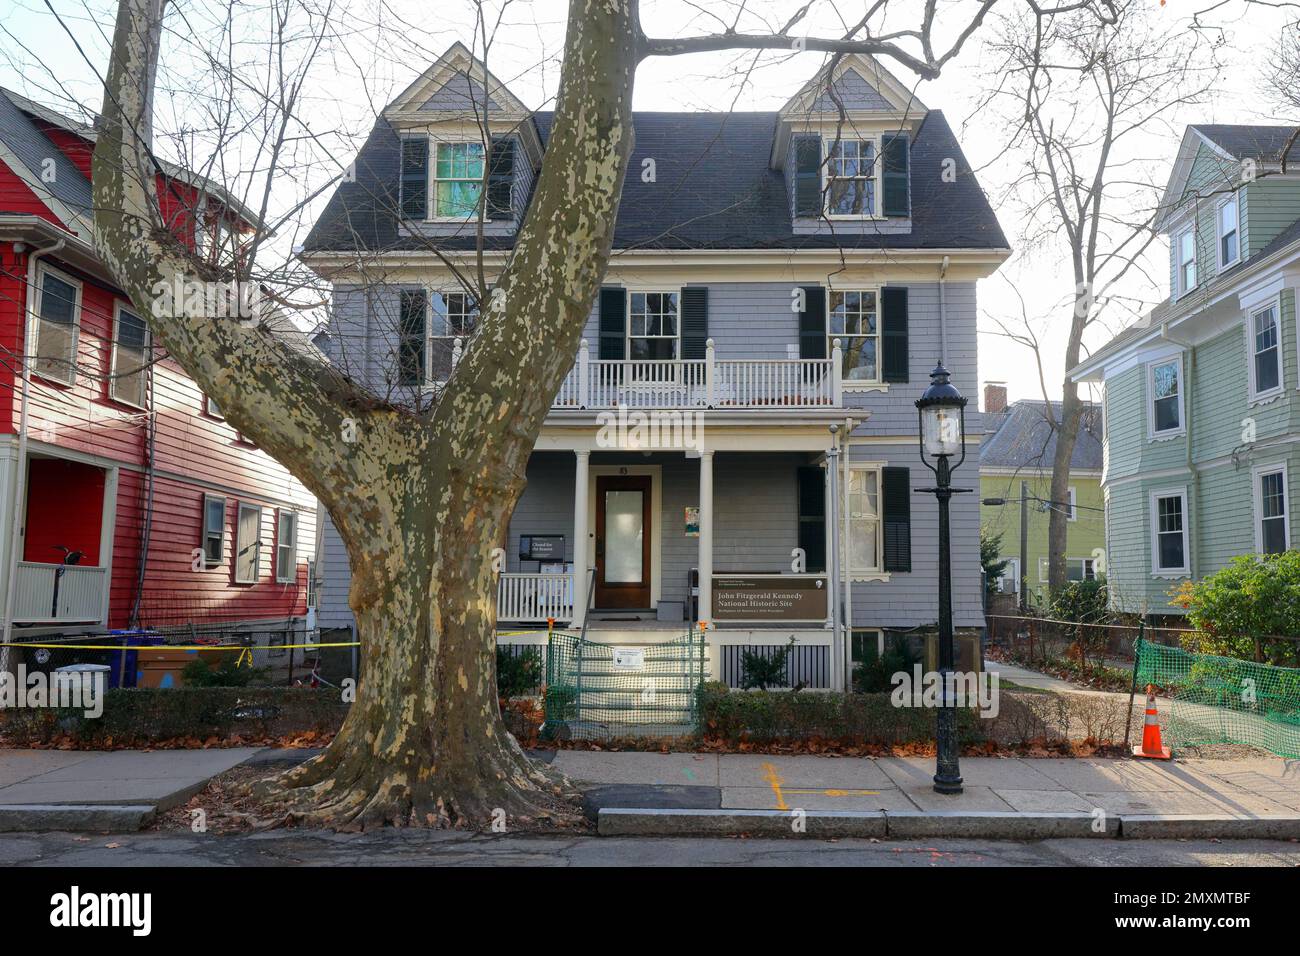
<point x="995" y="398"/>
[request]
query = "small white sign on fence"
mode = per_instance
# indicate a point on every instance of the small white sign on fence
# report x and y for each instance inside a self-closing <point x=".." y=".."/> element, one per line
<point x="629" y="658"/>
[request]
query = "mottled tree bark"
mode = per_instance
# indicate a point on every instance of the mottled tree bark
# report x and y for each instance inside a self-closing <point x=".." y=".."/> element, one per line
<point x="418" y="500"/>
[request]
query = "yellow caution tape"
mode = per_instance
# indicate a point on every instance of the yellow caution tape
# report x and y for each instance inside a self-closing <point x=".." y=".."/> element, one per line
<point x="173" y="647"/>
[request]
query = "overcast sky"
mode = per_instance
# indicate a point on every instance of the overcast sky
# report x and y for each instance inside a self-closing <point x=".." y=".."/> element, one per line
<point x="377" y="48"/>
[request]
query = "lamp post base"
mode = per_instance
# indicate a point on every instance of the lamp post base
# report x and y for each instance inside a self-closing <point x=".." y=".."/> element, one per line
<point x="947" y="784"/>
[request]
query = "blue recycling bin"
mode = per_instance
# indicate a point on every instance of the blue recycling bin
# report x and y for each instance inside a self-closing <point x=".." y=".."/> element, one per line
<point x="126" y="670"/>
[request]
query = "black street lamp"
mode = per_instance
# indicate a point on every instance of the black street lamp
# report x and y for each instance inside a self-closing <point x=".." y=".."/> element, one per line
<point x="942" y="414"/>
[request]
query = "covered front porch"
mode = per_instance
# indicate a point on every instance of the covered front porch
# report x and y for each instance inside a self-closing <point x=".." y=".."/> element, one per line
<point x="62" y="571"/>
<point x="648" y="540"/>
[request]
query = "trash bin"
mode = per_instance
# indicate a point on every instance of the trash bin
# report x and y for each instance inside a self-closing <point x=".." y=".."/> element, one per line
<point x="86" y="678"/>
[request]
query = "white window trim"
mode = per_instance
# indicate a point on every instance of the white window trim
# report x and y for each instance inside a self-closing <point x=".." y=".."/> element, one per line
<point x="828" y="141"/>
<point x="203" y="533"/>
<point x="1256" y="493"/>
<point x="118" y="307"/>
<point x="1044" y="568"/>
<point x="1010" y="573"/>
<point x="41" y="270"/>
<point x="211" y="410"/>
<point x="1153" y="507"/>
<point x="281" y="576"/>
<point x="429" y="381"/>
<point x="431" y="180"/>
<point x="1254" y="396"/>
<point x="877" y="573"/>
<point x="880" y="641"/>
<point x="1235" y="198"/>
<point x="257" y="544"/>
<point x="627" y="325"/>
<point x="1152" y="434"/>
<point x="1180" y="289"/>
<point x="857" y="384"/>
<point x="1073" y="514"/>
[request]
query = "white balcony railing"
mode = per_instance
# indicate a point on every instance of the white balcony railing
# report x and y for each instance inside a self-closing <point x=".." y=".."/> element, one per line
<point x="534" y="597"/>
<point x="702" y="383"/>
<point x="80" y="593"/>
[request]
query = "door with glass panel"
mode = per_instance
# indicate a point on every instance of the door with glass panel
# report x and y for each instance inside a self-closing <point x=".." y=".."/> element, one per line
<point x="623" y="541"/>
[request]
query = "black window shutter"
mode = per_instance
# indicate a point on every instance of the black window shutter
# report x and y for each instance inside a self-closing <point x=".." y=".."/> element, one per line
<point x="812" y="323"/>
<point x="897" y="179"/>
<point x="812" y="517"/>
<point x="410" y="343"/>
<point x="501" y="178"/>
<point x="896" y="502"/>
<point x="613" y="322"/>
<point x="808" y="176"/>
<point x="695" y="321"/>
<point x="893" y="334"/>
<point x="415" y="177"/>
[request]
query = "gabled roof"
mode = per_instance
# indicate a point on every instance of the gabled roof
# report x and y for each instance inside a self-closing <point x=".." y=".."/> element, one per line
<point x="1233" y="145"/>
<point x="1264" y="144"/>
<point x="714" y="190"/>
<point x="1025" y="439"/>
<point x="26" y="108"/>
<point x="456" y="81"/>
<point x="45" y="168"/>
<point x="860" y="82"/>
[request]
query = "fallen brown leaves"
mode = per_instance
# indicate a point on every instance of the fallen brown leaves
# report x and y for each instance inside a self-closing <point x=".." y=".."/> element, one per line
<point x="309" y="739"/>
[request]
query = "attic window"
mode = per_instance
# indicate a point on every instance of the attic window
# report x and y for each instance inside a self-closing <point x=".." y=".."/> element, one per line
<point x="458" y="180"/>
<point x="851" y="177"/>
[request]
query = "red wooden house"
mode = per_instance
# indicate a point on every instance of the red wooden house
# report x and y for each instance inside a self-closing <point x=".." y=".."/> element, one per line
<point x="110" y="455"/>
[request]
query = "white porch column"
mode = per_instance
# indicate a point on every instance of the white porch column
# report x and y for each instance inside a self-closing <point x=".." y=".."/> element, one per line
<point x="580" y="480"/>
<point x="706" y="536"/>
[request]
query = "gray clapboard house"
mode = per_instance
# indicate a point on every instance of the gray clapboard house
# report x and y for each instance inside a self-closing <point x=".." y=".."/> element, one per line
<point x="775" y="274"/>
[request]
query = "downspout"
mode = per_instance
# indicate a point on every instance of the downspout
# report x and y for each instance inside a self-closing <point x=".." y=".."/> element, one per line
<point x="16" y="504"/>
<point x="1194" y="490"/>
<point x="943" y="311"/>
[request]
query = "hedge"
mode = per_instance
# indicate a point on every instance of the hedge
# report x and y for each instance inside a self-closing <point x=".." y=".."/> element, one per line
<point x="141" y="716"/>
<point x="1023" y="719"/>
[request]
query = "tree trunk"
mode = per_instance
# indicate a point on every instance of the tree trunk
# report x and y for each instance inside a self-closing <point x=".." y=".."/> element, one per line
<point x="419" y="502"/>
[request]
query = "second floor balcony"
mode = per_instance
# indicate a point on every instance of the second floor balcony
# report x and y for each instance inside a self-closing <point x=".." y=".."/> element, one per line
<point x="710" y="382"/>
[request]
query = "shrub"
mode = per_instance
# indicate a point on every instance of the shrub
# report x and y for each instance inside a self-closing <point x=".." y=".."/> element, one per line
<point x="518" y="675"/>
<point x="1083" y="602"/>
<point x="227" y="673"/>
<point x="990" y="549"/>
<point x="875" y="674"/>
<point x="1244" y="604"/>
<point x="762" y="671"/>
<point x="142" y="716"/>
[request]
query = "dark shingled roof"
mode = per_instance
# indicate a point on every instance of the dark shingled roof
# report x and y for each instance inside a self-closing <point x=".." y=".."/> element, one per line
<point x="1025" y="438"/>
<point x="714" y="189"/>
<point x="32" y="148"/>
<point x="1262" y="143"/>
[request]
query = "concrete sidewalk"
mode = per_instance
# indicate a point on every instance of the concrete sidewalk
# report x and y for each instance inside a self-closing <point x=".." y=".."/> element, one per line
<point x="1218" y="793"/>
<point x="107" y="790"/>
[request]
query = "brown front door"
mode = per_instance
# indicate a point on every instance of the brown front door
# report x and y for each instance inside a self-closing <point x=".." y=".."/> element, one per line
<point x="623" y="541"/>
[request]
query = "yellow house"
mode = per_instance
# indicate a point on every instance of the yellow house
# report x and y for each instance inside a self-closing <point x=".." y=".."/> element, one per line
<point x="1016" y="463"/>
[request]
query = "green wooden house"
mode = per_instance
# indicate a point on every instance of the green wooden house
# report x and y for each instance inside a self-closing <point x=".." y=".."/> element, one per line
<point x="1202" y="397"/>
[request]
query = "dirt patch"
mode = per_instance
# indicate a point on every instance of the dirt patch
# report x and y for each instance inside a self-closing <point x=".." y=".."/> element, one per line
<point x="1223" y="752"/>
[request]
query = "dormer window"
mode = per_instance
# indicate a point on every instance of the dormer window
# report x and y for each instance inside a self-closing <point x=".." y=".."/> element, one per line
<point x="458" y="180"/>
<point x="851" y="172"/>
<point x="1185" y="248"/>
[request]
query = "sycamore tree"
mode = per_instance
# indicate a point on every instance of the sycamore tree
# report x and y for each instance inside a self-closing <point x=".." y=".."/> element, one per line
<point x="420" y="495"/>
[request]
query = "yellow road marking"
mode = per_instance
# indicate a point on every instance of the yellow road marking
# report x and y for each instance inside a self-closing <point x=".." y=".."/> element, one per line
<point x="774" y="778"/>
<point x="840" y="793"/>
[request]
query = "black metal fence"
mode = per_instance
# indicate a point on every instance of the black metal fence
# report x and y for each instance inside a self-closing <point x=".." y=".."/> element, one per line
<point x="808" y="665"/>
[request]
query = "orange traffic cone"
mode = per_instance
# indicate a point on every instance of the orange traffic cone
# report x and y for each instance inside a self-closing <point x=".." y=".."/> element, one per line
<point x="1151" y="745"/>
